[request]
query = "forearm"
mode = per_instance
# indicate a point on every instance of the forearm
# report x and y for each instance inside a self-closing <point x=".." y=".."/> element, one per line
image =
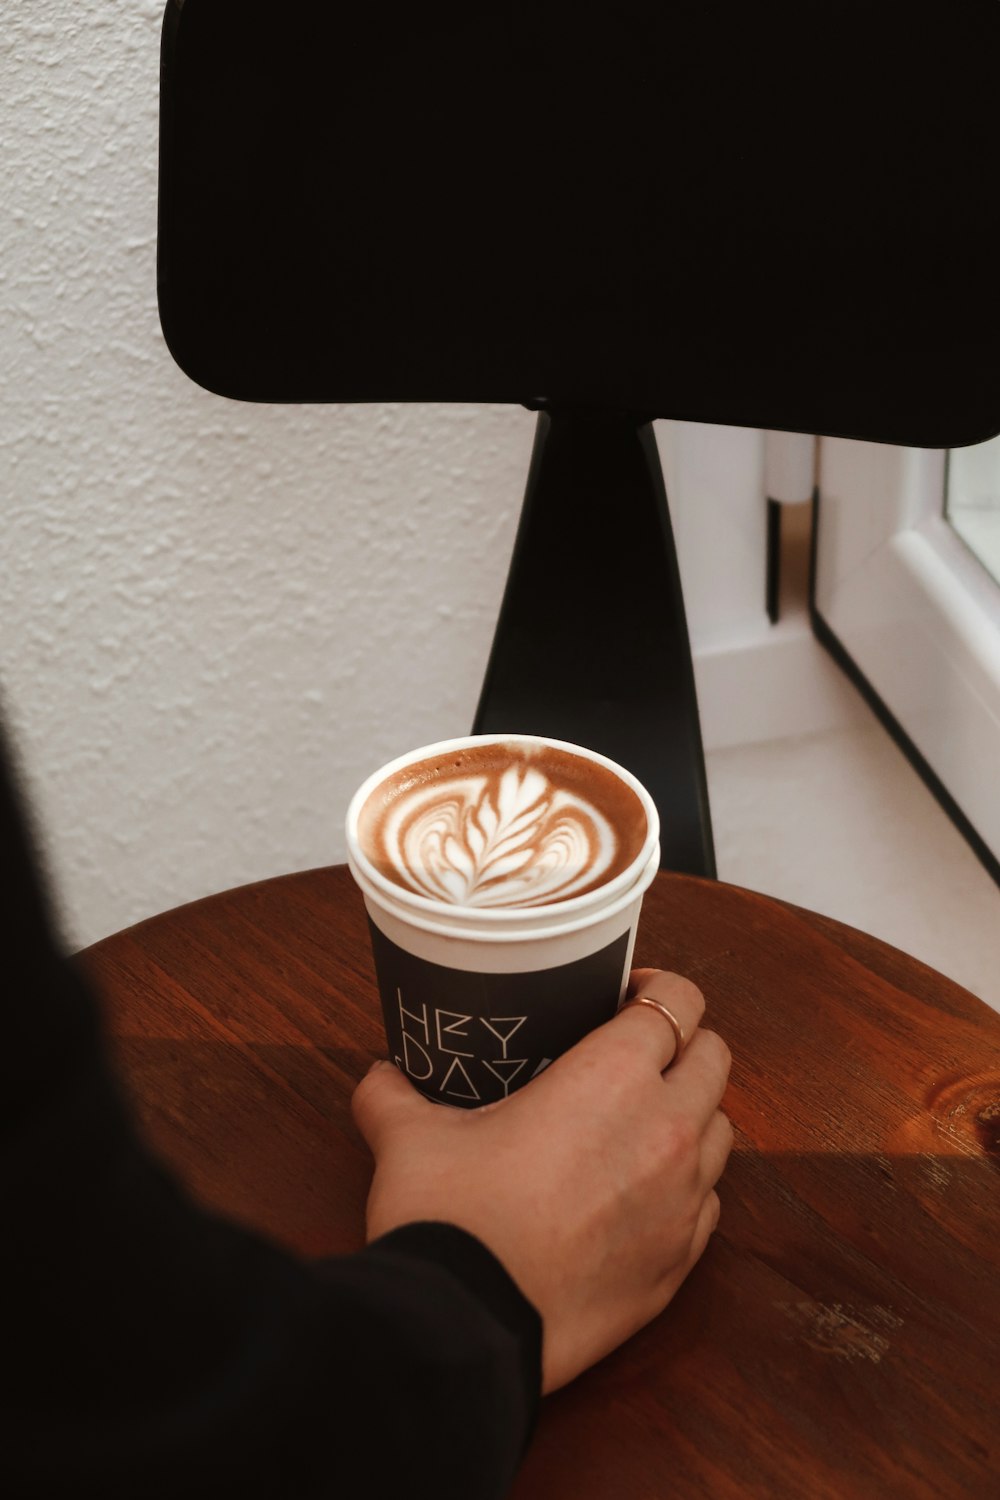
<point x="168" y="1350"/>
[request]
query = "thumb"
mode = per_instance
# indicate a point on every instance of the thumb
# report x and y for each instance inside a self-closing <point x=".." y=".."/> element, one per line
<point x="384" y="1101"/>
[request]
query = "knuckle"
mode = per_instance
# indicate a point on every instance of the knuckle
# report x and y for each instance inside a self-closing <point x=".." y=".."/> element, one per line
<point x="721" y="1048"/>
<point x="728" y="1139"/>
<point x="605" y="1066"/>
<point x="680" y="1141"/>
<point x="681" y="986"/>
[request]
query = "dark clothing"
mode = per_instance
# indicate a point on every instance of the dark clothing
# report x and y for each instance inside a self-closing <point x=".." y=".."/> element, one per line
<point x="154" y="1349"/>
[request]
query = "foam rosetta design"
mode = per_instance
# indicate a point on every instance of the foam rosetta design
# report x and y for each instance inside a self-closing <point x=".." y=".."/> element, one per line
<point x="508" y="838"/>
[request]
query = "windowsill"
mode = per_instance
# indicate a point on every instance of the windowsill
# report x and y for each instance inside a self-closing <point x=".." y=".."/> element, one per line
<point x="840" y="822"/>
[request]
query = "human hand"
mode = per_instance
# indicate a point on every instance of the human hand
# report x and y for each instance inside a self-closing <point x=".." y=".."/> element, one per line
<point x="594" y="1184"/>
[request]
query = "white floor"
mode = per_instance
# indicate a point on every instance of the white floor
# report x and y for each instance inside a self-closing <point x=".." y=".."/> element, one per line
<point x="841" y="823"/>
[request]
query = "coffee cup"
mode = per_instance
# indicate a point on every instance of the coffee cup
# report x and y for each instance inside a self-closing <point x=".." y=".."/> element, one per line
<point x="503" y="877"/>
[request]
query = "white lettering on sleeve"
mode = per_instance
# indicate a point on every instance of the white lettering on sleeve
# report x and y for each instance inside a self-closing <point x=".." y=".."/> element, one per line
<point x="451" y="1029"/>
<point x="510" y="1022"/>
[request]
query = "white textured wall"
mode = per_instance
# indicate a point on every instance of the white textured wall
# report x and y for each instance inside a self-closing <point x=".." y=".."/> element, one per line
<point x="217" y="618"/>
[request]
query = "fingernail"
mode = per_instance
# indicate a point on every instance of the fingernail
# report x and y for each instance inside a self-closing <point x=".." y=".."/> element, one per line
<point x="378" y="1063"/>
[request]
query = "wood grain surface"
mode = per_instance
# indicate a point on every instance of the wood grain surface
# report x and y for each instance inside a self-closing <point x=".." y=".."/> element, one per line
<point x="840" y="1337"/>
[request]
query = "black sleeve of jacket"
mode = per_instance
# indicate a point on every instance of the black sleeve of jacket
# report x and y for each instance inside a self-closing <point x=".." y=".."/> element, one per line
<point x="154" y="1349"/>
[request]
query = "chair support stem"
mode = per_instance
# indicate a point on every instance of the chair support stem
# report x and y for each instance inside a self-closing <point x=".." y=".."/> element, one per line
<point x="591" y="643"/>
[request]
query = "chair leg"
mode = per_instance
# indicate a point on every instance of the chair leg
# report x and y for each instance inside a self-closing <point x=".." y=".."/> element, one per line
<point x="591" y="643"/>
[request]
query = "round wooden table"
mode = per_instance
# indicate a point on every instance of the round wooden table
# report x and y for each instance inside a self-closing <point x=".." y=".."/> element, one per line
<point x="841" y="1336"/>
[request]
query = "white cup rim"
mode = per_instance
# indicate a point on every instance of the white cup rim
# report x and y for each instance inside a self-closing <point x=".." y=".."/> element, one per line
<point x="499" y="917"/>
<point x="527" y="934"/>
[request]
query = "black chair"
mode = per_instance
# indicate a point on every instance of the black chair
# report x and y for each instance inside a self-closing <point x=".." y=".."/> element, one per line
<point x="608" y="214"/>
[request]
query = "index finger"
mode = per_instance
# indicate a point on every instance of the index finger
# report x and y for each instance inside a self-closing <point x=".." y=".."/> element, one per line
<point x="678" y="995"/>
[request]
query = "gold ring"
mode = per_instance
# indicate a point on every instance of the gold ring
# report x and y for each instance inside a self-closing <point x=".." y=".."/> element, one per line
<point x="675" y="1025"/>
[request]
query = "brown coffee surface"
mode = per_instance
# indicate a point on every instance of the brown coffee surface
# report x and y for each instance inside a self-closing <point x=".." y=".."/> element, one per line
<point x="502" y="825"/>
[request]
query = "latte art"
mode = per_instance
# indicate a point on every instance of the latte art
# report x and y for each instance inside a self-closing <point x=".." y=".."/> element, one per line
<point x="499" y="825"/>
<point x="508" y="840"/>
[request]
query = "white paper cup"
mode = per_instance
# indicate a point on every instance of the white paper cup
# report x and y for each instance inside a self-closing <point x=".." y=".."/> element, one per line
<point x="479" y="1001"/>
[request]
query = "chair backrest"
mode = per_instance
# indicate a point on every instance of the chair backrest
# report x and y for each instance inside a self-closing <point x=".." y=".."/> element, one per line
<point x="777" y="215"/>
<point x="774" y="215"/>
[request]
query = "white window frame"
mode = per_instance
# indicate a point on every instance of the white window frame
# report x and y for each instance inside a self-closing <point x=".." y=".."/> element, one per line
<point x="756" y="681"/>
<point x="919" y="619"/>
